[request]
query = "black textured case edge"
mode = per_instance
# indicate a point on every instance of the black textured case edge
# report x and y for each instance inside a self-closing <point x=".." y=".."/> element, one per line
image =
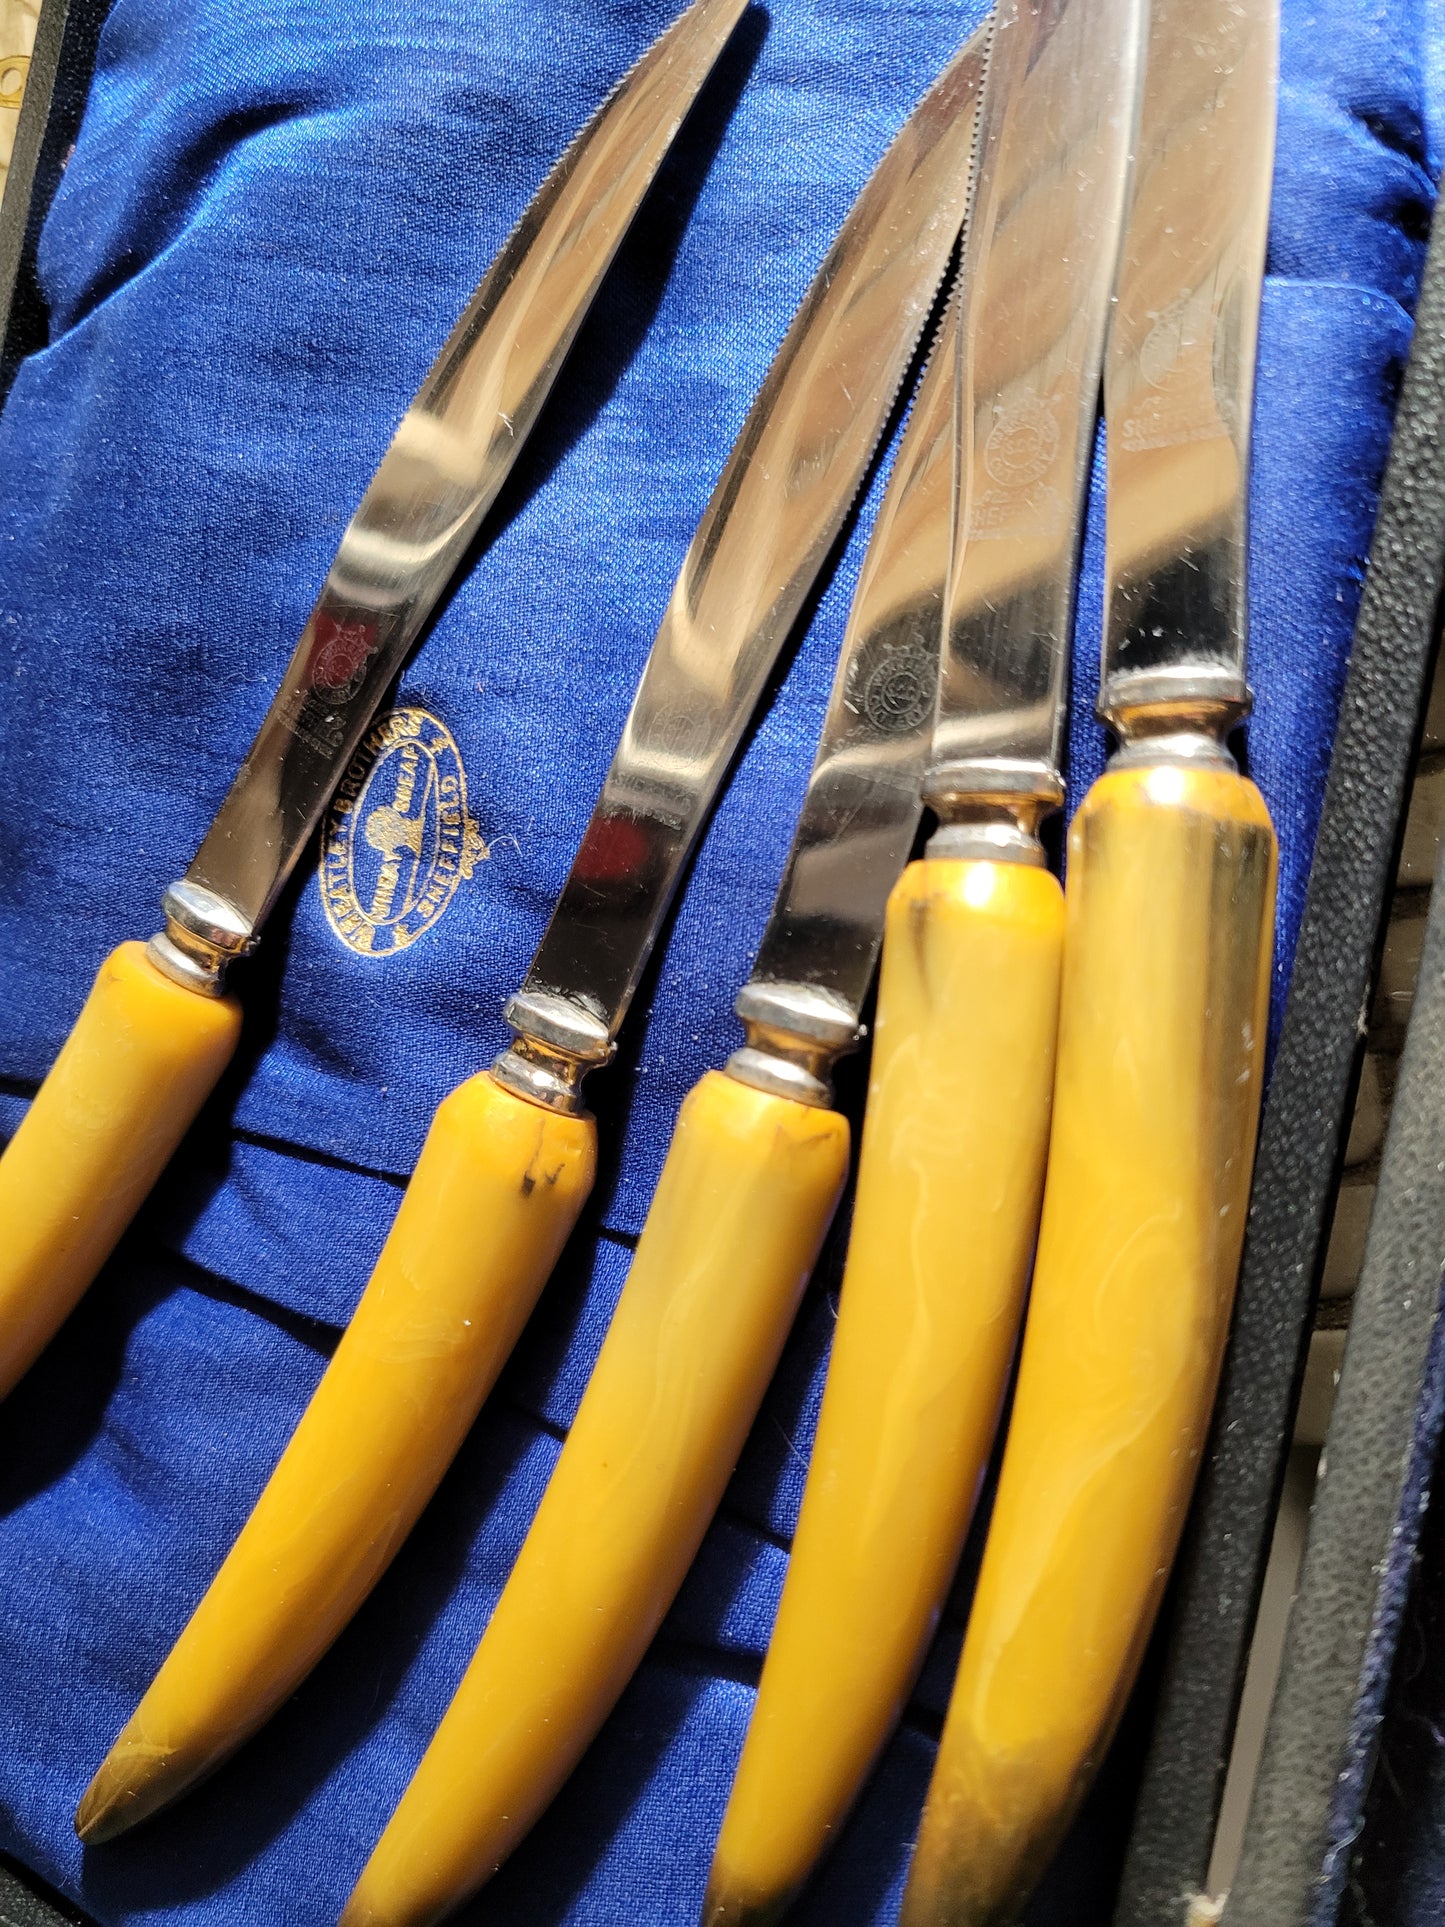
<point x="61" y="66"/>
<point x="24" y="1904"/>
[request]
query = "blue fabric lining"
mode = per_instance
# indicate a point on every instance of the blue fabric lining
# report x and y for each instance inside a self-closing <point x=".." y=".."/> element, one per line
<point x="268" y="223"/>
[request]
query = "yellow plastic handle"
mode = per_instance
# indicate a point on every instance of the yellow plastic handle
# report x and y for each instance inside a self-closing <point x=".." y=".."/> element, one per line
<point x="949" y="1186"/>
<point x="494" y="1196"/>
<point x="144" y="1056"/>
<point x="1166" y="959"/>
<point x="750" y="1184"/>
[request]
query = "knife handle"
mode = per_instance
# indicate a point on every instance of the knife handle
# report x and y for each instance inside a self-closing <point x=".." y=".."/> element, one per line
<point x="949" y="1185"/>
<point x="144" y="1056"/>
<point x="1169" y="916"/>
<point x="750" y="1184"/>
<point x="496" y="1192"/>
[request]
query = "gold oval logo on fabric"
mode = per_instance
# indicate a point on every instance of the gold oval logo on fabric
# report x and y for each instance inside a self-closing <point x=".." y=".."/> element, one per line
<point x="399" y="841"/>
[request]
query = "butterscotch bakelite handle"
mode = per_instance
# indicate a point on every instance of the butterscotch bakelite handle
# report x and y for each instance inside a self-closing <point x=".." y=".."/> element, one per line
<point x="750" y="1184"/>
<point x="1170" y="903"/>
<point x="494" y="1196"/>
<point x="144" y="1056"/>
<point x="949" y="1186"/>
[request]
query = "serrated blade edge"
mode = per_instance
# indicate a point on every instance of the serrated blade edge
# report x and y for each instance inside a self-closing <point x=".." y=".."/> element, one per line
<point x="783" y="497"/>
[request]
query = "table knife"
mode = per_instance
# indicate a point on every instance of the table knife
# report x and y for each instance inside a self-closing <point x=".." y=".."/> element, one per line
<point x="951" y="1174"/>
<point x="509" y="1159"/>
<point x="1169" y="916"/>
<point x="751" y="1180"/>
<point x="158" y="1028"/>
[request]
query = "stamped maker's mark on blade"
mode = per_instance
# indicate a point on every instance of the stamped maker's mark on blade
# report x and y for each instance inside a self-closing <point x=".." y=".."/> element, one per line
<point x="399" y="839"/>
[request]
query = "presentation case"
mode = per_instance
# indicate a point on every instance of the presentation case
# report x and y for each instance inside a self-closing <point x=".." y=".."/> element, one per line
<point x="1345" y="1819"/>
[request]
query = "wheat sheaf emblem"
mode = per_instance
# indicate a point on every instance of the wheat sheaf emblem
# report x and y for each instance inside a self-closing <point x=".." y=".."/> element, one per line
<point x="400" y="839"/>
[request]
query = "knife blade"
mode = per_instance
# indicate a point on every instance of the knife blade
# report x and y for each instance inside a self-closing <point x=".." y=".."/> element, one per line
<point x="157" y="1029"/>
<point x="1169" y="913"/>
<point x="952" y="1168"/>
<point x="509" y="1159"/>
<point x="750" y="1183"/>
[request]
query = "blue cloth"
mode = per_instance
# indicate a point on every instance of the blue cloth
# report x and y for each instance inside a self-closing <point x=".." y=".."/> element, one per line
<point x="269" y="221"/>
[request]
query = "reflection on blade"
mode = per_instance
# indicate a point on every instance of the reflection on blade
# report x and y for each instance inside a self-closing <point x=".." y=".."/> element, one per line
<point x="1180" y="376"/>
<point x="787" y="488"/>
<point x="450" y="456"/>
<point x="862" y="808"/>
<point x="1044" y="227"/>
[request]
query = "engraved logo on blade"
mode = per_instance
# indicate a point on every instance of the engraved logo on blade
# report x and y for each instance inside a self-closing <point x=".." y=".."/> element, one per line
<point x="1022" y="443"/>
<point x="1166" y="342"/>
<point x="899" y="691"/>
<point x="398" y="839"/>
<point x="1184" y="396"/>
<point x="1012" y="498"/>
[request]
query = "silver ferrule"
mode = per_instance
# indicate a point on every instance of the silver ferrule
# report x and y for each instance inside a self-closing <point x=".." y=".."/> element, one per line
<point x="796" y="1033"/>
<point x="203" y="934"/>
<point x="1181" y="716"/>
<point x="992" y="835"/>
<point x="557" y="1042"/>
<point x="1187" y="748"/>
<point x="1190" y="699"/>
<point x="957" y="789"/>
<point x="989" y="809"/>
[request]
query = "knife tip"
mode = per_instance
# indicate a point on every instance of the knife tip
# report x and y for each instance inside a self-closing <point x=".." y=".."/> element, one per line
<point x="131" y="1783"/>
<point x="102" y="1813"/>
<point x="724" y="1906"/>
